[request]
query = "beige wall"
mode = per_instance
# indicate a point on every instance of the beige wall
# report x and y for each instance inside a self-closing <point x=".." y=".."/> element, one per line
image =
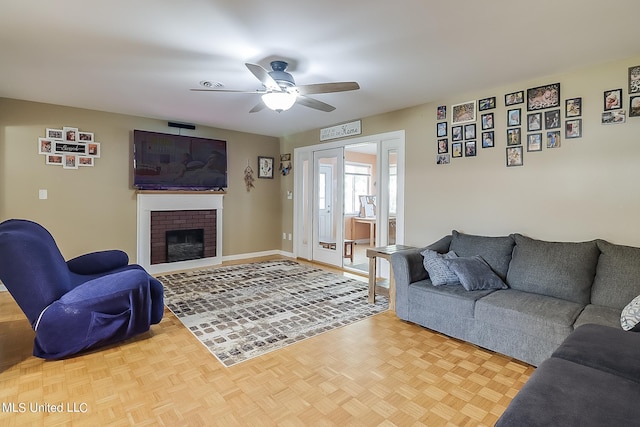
<point x="94" y="208"/>
<point x="588" y="188"/>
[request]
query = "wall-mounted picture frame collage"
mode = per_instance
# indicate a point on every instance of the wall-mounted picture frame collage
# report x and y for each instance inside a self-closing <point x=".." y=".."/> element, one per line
<point x="69" y="147"/>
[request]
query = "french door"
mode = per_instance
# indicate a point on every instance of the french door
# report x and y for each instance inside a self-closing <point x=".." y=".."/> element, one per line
<point x="328" y="189"/>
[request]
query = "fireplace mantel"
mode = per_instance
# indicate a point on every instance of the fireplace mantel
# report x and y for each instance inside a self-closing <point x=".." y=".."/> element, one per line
<point x="175" y="201"/>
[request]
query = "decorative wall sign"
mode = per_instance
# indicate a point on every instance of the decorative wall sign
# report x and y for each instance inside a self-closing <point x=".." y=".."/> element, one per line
<point x="339" y="131"/>
<point x="69" y="147"/>
<point x="541" y="97"/>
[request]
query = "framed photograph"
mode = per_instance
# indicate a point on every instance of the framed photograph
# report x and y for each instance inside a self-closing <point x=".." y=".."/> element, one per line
<point x="442" y="112"/>
<point x="541" y="97"/>
<point x="553" y="139"/>
<point x="534" y="142"/>
<point x="470" y="131"/>
<point x="54" y="134"/>
<point x="513" y="136"/>
<point x="634" y="79"/>
<point x="634" y="106"/>
<point x="441" y="129"/>
<point x="70" y="161"/>
<point x="54" y="159"/>
<point x="487" y="121"/>
<point x="513" y="117"/>
<point x="487" y="103"/>
<point x="514" y="156"/>
<point x="469" y="148"/>
<point x="265" y="167"/>
<point x="614" y="117"/>
<point x="488" y="139"/>
<point x="93" y="149"/>
<point x="443" y="146"/>
<point x="45" y="146"/>
<point x="456" y="133"/>
<point x="514" y="98"/>
<point x="573" y="107"/>
<point x="456" y="149"/>
<point x="442" y="159"/>
<point x="534" y="122"/>
<point x="70" y="134"/>
<point x="85" y="161"/>
<point x="85" y="136"/>
<point x="573" y="128"/>
<point x="463" y="113"/>
<point x="612" y="99"/>
<point x="552" y="119"/>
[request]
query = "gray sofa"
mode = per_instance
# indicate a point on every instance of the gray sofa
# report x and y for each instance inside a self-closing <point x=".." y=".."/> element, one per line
<point x="553" y="288"/>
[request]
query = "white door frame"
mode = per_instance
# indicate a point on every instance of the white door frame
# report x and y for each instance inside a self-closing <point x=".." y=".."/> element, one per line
<point x="303" y="186"/>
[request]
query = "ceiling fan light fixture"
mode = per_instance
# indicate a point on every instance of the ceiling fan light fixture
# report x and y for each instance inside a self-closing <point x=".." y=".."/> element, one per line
<point x="279" y="101"/>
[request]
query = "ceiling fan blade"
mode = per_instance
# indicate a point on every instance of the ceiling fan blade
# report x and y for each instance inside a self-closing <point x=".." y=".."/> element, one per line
<point x="264" y="77"/>
<point x="227" y="91"/>
<point x="259" y="107"/>
<point x="327" y="87"/>
<point x="314" y="103"/>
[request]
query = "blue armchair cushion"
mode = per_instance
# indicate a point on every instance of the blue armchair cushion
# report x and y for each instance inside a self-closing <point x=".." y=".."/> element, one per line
<point x="98" y="262"/>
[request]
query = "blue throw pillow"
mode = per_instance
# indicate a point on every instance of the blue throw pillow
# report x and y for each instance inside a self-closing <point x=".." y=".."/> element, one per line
<point x="474" y="273"/>
<point x="439" y="273"/>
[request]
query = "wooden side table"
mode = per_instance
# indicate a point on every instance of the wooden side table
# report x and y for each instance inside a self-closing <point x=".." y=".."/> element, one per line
<point x="384" y="252"/>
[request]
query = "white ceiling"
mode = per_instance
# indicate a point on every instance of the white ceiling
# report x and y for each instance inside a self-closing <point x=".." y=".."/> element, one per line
<point x="141" y="57"/>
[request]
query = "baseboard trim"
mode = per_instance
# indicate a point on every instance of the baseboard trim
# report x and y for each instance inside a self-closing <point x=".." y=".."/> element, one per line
<point x="256" y="255"/>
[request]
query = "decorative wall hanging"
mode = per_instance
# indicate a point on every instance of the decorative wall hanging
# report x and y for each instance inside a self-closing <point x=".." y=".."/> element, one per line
<point x="514" y="156"/>
<point x="573" y="128"/>
<point x="285" y="164"/>
<point x="442" y="112"/>
<point x="534" y="142"/>
<point x="248" y="177"/>
<point x="69" y="147"/>
<point x="541" y="97"/>
<point x="614" y="117"/>
<point x="265" y="167"/>
<point x="513" y="117"/>
<point x="487" y="121"/>
<point x="488" y="139"/>
<point x="441" y="129"/>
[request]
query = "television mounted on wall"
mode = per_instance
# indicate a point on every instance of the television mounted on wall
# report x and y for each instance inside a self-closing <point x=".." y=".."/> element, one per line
<point x="178" y="162"/>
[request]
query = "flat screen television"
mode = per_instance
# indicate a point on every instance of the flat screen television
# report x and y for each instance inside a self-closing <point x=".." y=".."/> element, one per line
<point x="176" y="162"/>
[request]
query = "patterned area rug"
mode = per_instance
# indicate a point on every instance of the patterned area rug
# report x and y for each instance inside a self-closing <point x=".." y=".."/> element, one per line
<point x="243" y="311"/>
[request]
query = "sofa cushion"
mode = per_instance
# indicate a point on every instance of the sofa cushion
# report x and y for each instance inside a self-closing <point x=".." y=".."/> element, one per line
<point x="617" y="276"/>
<point x="600" y="315"/>
<point x="601" y="347"/>
<point x="438" y="271"/>
<point x="496" y="251"/>
<point x="474" y="273"/>
<point x="630" y="316"/>
<point x="450" y="300"/>
<point x="564" y="393"/>
<point x="559" y="269"/>
<point x="534" y="314"/>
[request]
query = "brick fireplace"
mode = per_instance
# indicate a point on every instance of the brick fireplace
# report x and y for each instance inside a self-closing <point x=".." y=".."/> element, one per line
<point x="163" y="212"/>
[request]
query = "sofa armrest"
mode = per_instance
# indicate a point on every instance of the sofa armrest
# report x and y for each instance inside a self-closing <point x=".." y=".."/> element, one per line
<point x="98" y="262"/>
<point x="408" y="268"/>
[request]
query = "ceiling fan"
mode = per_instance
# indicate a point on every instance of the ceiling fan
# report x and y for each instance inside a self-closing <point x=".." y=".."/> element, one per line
<point x="280" y="91"/>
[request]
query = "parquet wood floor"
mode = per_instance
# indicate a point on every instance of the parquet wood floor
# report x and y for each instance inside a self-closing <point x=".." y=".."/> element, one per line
<point x="378" y="372"/>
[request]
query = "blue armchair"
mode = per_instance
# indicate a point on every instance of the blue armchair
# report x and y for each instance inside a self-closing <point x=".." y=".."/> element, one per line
<point x="87" y="302"/>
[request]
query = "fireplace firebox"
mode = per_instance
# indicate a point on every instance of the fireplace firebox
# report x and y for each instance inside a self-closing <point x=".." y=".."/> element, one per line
<point x="183" y="245"/>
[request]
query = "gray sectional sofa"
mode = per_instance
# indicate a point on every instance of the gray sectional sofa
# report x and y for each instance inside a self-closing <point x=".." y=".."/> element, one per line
<point x="551" y="288"/>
